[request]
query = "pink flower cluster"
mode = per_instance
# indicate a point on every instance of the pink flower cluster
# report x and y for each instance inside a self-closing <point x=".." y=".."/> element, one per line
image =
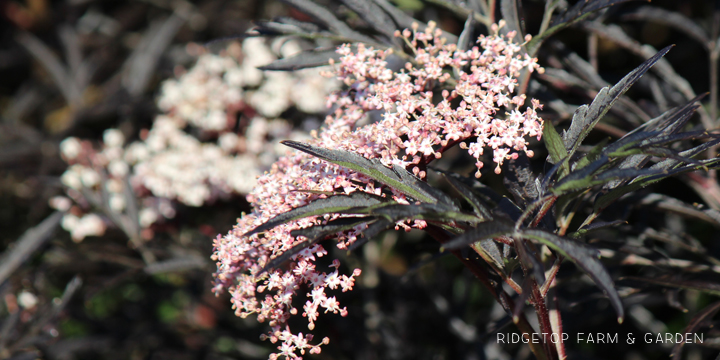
<point x="414" y="128"/>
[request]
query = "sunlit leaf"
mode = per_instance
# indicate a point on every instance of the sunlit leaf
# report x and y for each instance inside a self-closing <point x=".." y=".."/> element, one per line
<point x="328" y="205"/>
<point x="397" y="177"/>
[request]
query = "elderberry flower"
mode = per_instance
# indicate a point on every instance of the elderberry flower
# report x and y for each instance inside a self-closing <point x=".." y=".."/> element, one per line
<point x="413" y="128"/>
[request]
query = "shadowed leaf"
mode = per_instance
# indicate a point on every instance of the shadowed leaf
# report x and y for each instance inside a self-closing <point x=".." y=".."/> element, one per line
<point x="326" y="17"/>
<point x="482" y="231"/>
<point x="313" y="235"/>
<point x="668" y="167"/>
<point x="578" y="12"/>
<point x="705" y="314"/>
<point x="30" y="241"/>
<point x="702" y="286"/>
<point x="520" y="180"/>
<point x="465" y="41"/>
<point x="405" y="21"/>
<point x="489" y="251"/>
<point x="467" y="193"/>
<point x="396" y="212"/>
<point x="373" y="230"/>
<point x="374" y="16"/>
<point x="596" y="226"/>
<point x="669" y="18"/>
<point x="584" y="257"/>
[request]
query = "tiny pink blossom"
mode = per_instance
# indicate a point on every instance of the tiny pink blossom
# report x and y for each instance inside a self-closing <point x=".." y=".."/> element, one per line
<point x="478" y="110"/>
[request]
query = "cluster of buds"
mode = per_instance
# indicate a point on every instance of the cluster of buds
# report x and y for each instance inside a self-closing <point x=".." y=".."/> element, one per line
<point x="193" y="154"/>
<point x="414" y="128"/>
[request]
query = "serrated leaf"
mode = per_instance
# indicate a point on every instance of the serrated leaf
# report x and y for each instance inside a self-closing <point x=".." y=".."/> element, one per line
<point x="554" y="143"/>
<point x="584" y="257"/>
<point x="313" y="235"/>
<point x="328" y="205"/>
<point x="397" y="177"/>
<point x="688" y="135"/>
<point x="303" y="60"/>
<point x="667" y="123"/>
<point x="629" y="141"/>
<point x="586" y="117"/>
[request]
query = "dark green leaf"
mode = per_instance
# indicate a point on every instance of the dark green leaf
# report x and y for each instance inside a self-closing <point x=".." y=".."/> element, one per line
<point x="591" y="156"/>
<point x="397" y="178"/>
<point x="329" y="205"/>
<point x="579" y="179"/>
<point x="554" y="143"/>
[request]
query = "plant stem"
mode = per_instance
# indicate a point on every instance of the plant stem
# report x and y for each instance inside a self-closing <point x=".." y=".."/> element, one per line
<point x="495" y="290"/>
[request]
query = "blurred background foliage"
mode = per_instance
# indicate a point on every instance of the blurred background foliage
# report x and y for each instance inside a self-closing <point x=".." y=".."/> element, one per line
<point x="78" y="67"/>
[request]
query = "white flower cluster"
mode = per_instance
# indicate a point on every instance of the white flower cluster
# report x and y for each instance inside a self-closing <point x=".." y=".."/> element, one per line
<point x="195" y="151"/>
